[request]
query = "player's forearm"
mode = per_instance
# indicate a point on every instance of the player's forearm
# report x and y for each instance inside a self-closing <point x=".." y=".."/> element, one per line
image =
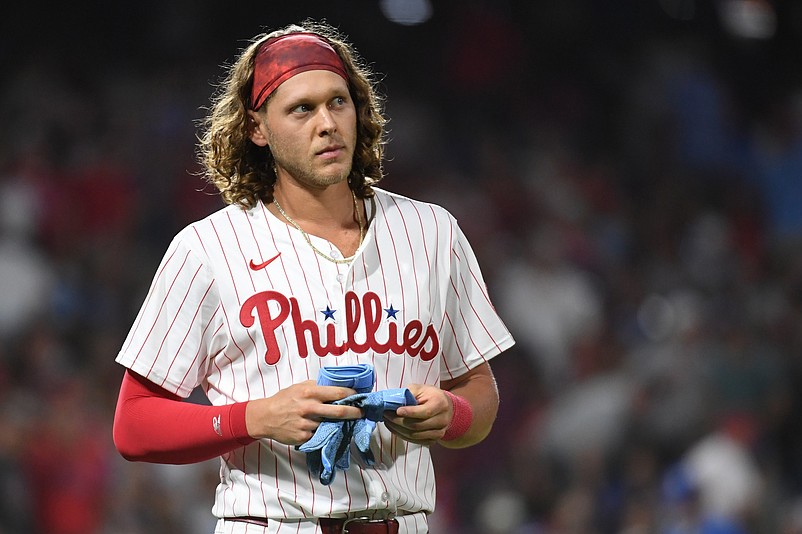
<point x="151" y="425"/>
<point x="479" y="391"/>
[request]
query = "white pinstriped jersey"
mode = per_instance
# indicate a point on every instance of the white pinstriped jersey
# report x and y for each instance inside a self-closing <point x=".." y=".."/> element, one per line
<point x="242" y="306"/>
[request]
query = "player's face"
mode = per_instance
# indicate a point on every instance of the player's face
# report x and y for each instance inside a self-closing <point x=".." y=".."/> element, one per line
<point x="310" y="127"/>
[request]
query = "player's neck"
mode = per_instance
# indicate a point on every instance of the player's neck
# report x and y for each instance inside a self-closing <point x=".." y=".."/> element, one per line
<point x="315" y="209"/>
<point x="333" y="213"/>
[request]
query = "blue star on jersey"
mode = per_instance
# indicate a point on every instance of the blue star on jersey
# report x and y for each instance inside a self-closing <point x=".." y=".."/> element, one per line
<point x="328" y="313"/>
<point x="391" y="312"/>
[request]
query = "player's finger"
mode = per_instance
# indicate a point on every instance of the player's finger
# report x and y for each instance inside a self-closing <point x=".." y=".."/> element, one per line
<point x="427" y="437"/>
<point x="415" y="424"/>
<point x="339" y="412"/>
<point x="419" y="411"/>
<point x="332" y="393"/>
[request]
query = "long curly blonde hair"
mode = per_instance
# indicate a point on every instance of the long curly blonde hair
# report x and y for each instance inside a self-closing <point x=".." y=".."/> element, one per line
<point x="242" y="171"/>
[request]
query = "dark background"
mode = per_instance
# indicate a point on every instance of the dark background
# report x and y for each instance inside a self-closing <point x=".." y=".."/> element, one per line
<point x="629" y="174"/>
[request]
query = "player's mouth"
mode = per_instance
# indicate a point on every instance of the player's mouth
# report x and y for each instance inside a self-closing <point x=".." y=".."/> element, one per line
<point x="331" y="152"/>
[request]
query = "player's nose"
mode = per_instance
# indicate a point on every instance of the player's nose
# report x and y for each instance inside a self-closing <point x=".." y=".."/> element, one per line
<point x="326" y="122"/>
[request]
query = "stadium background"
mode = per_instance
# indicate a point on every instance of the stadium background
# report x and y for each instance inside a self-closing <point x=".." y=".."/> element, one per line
<point x="629" y="173"/>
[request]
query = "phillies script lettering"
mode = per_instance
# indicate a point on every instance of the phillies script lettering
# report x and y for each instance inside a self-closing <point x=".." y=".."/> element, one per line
<point x="414" y="339"/>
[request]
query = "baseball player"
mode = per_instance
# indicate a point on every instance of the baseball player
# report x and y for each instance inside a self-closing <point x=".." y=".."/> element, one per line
<point x="309" y="265"/>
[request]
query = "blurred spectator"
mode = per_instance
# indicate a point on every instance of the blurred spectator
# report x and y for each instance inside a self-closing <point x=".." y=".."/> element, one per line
<point x="26" y="278"/>
<point x="717" y="487"/>
<point x="66" y="462"/>
<point x="777" y="145"/>
<point x="16" y="505"/>
<point x="551" y="304"/>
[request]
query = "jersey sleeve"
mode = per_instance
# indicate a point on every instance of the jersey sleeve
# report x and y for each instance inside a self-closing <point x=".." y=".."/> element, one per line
<point x="174" y="332"/>
<point x="473" y="332"/>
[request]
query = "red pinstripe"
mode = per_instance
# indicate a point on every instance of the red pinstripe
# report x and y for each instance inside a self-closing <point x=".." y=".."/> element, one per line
<point x="376" y="231"/>
<point x="145" y="305"/>
<point x="161" y="308"/>
<point x="480" y="284"/>
<point x="197" y="352"/>
<point x="189" y="329"/>
<point x="230" y="360"/>
<point x="384" y="275"/>
<point x="239" y="247"/>
<point x="225" y="257"/>
<point x="464" y="322"/>
<point x="175" y="318"/>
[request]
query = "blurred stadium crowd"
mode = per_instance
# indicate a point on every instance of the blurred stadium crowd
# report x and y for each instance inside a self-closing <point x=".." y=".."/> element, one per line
<point x="629" y="175"/>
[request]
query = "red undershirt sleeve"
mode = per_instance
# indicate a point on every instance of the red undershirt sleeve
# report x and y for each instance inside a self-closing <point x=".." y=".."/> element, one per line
<point x="153" y="425"/>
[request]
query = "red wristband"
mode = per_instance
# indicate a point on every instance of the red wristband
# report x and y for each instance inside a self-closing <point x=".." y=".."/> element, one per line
<point x="461" y="420"/>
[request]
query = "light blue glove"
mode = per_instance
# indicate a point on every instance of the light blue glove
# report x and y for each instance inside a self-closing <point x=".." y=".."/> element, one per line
<point x="373" y="406"/>
<point x="328" y="449"/>
<point x="359" y="377"/>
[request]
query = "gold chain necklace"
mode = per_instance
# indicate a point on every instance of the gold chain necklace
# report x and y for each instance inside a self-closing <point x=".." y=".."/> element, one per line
<point x="309" y="241"/>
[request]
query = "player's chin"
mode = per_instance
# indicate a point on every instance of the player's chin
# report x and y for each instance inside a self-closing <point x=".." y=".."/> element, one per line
<point x="337" y="170"/>
<point x="326" y="177"/>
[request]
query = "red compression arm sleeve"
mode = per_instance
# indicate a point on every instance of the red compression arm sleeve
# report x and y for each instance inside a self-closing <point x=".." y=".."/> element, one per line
<point x="153" y="425"/>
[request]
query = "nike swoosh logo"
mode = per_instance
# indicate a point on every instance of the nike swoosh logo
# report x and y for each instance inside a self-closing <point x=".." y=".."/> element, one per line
<point x="257" y="266"/>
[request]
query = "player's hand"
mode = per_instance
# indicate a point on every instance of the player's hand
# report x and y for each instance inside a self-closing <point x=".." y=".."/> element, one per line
<point x="292" y="415"/>
<point x="426" y="422"/>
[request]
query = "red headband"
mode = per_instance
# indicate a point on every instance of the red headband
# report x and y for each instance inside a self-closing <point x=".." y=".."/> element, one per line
<point x="281" y="58"/>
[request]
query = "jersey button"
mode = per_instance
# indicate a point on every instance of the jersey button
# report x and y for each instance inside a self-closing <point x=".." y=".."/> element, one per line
<point x="335" y="254"/>
<point x="340" y="278"/>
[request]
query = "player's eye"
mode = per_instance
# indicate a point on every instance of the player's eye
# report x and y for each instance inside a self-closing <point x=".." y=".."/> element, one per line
<point x="338" y="102"/>
<point x="302" y="108"/>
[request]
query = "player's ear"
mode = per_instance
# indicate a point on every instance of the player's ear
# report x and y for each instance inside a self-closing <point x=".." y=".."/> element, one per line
<point x="255" y="129"/>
